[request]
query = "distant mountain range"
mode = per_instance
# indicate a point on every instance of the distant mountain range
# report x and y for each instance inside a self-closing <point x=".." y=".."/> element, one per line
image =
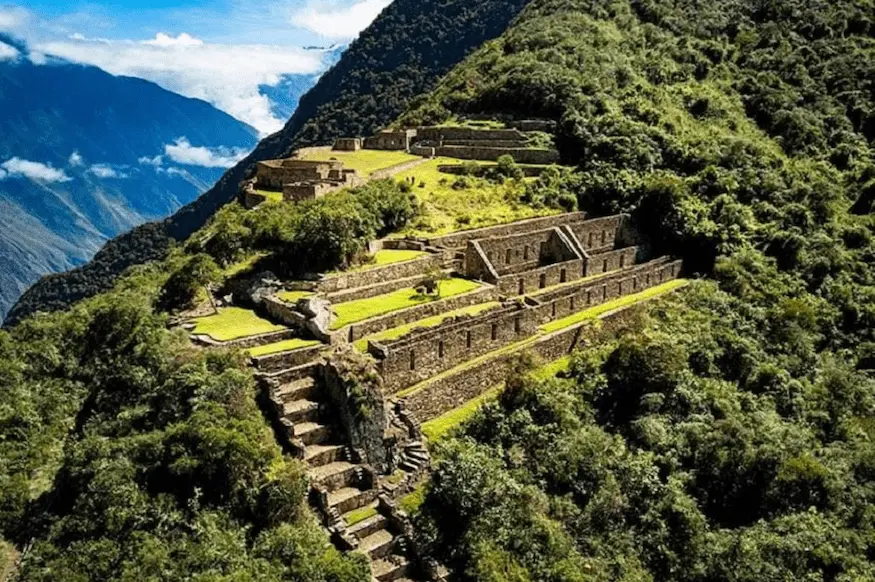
<point x="85" y="156"/>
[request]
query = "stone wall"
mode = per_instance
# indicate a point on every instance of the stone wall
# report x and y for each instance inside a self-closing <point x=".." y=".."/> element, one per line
<point x="454" y="390"/>
<point x="247" y="342"/>
<point x="396" y="169"/>
<point x="541" y="278"/>
<point x="348" y="144"/>
<point x="286" y="360"/>
<point x="461" y="238"/>
<point x="520" y="155"/>
<point x="611" y="261"/>
<point x="493" y="143"/>
<point x="390" y="140"/>
<point x="522" y="252"/>
<point x="459" y="169"/>
<point x="373" y="276"/>
<point x="387" y="286"/>
<point x="300" y="191"/>
<point x="598" y="233"/>
<point x="424" y="151"/>
<point x="424" y="353"/>
<point x="438" y="133"/>
<point x="273" y="174"/>
<point x="581" y="286"/>
<point x="357" y="331"/>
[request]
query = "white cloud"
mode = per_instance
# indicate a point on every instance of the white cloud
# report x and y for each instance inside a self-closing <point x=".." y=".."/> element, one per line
<point x="106" y="171"/>
<point x="13" y="17"/>
<point x="182" y="152"/>
<point x="16" y="167"/>
<point x="3" y="173"/>
<point x="147" y="161"/>
<point x="228" y="76"/>
<point x="7" y="52"/>
<point x="75" y="159"/>
<point x="338" y="21"/>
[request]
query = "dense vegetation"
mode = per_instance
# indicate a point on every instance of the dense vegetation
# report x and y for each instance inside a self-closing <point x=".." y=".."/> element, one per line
<point x="730" y="438"/>
<point x="130" y="455"/>
<point x="406" y="49"/>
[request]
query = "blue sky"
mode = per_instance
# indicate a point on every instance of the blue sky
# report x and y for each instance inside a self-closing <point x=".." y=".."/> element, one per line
<point x="218" y="50"/>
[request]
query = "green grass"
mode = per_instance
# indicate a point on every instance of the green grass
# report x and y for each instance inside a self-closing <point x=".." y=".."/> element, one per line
<point x="271" y="195"/>
<point x="594" y="312"/>
<point x="244" y="265"/>
<point x="293" y="296"/>
<point x="396" y="477"/>
<point x="365" y="162"/>
<point x="233" y="323"/>
<point x="434" y="321"/>
<point x="570" y="321"/>
<point x="389" y="257"/>
<point x="439" y="427"/>
<point x="411" y="502"/>
<point x="359" y="515"/>
<point x="447" y="210"/>
<point x="362" y="309"/>
<point x="283" y="346"/>
<point x="553" y="368"/>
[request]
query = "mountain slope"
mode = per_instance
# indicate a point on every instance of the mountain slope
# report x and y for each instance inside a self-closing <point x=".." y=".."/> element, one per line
<point x="401" y="54"/>
<point x="84" y="158"/>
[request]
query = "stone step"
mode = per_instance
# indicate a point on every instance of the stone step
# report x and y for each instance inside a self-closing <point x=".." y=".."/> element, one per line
<point x="348" y="498"/>
<point x="378" y="545"/>
<point x="301" y="389"/>
<point x="408" y="466"/>
<point x="291" y="374"/>
<point x="417" y="454"/>
<point x="301" y="411"/>
<point x="390" y="570"/>
<point x="318" y="455"/>
<point x="366" y="527"/>
<point x="312" y="433"/>
<point x="334" y="475"/>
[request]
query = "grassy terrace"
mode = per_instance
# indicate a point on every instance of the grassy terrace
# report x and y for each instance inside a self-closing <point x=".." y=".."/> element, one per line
<point x="447" y="210"/>
<point x="437" y="428"/>
<point x="271" y="195"/>
<point x="396" y="332"/>
<point x="594" y="312"/>
<point x="559" y="325"/>
<point x="389" y="257"/>
<point x="283" y="346"/>
<point x="362" y="309"/>
<point x="365" y="162"/>
<point x="243" y="265"/>
<point x="233" y="323"/>
<point x="293" y="296"/>
<point x="358" y="515"/>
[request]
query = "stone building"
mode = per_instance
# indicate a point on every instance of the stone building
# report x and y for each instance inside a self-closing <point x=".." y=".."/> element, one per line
<point x="348" y="144"/>
<point x="304" y="179"/>
<point x="389" y="139"/>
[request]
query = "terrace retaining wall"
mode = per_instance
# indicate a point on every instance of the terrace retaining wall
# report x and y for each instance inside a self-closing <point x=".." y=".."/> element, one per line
<point x="520" y="155"/>
<point x="375" y="275"/>
<point x="461" y="238"/>
<point x="424" y="353"/>
<point x="246" y="342"/>
<point x="286" y="360"/>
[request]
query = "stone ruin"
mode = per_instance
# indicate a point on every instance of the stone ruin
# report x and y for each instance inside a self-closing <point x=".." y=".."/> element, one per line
<point x="298" y="179"/>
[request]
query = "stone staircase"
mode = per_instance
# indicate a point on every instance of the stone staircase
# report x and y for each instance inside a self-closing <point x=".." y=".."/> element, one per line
<point x="340" y="483"/>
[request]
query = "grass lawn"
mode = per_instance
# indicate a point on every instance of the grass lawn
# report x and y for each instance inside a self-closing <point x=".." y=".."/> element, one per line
<point x="283" y="346"/>
<point x="594" y="312"/>
<point x="233" y="323"/>
<point x="396" y="332"/>
<point x="553" y="368"/>
<point x="448" y="210"/>
<point x="358" y="515"/>
<point x="271" y="195"/>
<point x="389" y="257"/>
<point x="362" y="309"/>
<point x="365" y="162"/>
<point x="293" y="296"/>
<point x="439" y="427"/>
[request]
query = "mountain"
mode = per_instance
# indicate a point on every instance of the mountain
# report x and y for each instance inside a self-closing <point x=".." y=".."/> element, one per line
<point x="85" y="156"/>
<point x="285" y="95"/>
<point x="400" y="55"/>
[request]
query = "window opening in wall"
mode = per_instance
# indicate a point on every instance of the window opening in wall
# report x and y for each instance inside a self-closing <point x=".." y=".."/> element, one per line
<point x="563" y="276"/>
<point x="605" y="266"/>
<point x="522" y="287"/>
<point x="507" y="256"/>
<point x="494" y="331"/>
<point x="554" y="309"/>
<point x="591" y="234"/>
<point x="589" y="297"/>
<point x="622" y="261"/>
<point x="542" y="281"/>
<point x="440" y="349"/>
<point x="517" y="325"/>
<point x="412" y="360"/>
<point x="634" y="283"/>
<point x="543" y="248"/>
<point x="468" y="339"/>
<point x="526" y="253"/>
<point x="604" y="292"/>
<point x="572" y="302"/>
<point x="647" y="280"/>
<point x="604" y="236"/>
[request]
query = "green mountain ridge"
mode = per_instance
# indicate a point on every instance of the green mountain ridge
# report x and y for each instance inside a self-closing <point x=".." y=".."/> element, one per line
<point x="401" y="54"/>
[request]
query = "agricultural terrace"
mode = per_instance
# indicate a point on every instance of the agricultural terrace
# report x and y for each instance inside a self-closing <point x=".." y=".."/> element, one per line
<point x="283" y="346"/>
<point x="365" y="162"/>
<point x="232" y="323"/>
<point x="362" y="309"/>
<point x="388" y="257"/>
<point x="451" y="203"/>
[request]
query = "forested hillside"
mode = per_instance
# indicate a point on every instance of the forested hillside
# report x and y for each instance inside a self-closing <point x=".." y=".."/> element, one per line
<point x="728" y="435"/>
<point x="410" y="45"/>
